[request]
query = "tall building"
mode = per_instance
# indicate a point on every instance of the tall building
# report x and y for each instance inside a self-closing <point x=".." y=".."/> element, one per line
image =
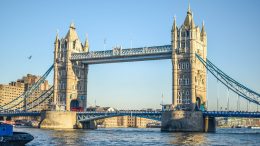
<point x="70" y="78"/>
<point x="10" y="92"/>
<point x="189" y="75"/>
<point x="120" y="121"/>
<point x="125" y="121"/>
<point x="14" y="89"/>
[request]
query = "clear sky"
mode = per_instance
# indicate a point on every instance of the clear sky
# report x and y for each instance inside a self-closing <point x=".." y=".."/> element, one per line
<point x="29" y="28"/>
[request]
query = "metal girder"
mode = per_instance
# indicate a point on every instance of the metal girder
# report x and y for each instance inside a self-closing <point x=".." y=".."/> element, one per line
<point x="231" y="83"/>
<point x="16" y="114"/>
<point x="88" y="116"/>
<point x="231" y="114"/>
<point x="20" y="99"/>
<point x="46" y="95"/>
<point x="124" y="55"/>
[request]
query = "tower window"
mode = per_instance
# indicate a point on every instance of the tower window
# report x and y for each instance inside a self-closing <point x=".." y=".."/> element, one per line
<point x="187" y="81"/>
<point x="187" y="65"/>
<point x="183" y="34"/>
<point x="182" y="45"/>
<point x="188" y="33"/>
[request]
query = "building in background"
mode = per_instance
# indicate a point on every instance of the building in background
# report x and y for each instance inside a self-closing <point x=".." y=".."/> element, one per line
<point x="14" y="89"/>
<point x="121" y="121"/>
<point x="238" y="122"/>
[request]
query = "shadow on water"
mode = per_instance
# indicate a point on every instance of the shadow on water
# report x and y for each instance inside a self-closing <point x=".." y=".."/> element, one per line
<point x="135" y="136"/>
<point x="188" y="139"/>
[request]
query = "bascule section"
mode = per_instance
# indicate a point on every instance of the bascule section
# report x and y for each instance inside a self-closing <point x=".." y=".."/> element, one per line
<point x="70" y="77"/>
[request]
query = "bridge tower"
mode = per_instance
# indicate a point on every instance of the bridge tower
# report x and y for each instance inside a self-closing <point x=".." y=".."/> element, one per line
<point x="70" y="78"/>
<point x="189" y="75"/>
<point x="189" y="79"/>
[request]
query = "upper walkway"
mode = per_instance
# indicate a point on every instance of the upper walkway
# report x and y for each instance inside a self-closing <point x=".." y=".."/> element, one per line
<point x="124" y="55"/>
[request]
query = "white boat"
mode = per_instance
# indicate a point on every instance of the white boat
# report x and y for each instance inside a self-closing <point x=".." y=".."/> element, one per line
<point x="254" y="127"/>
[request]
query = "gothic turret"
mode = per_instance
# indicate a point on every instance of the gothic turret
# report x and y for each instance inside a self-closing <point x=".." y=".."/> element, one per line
<point x="189" y="19"/>
<point x="86" y="45"/>
<point x="72" y="34"/>
<point x="174" y="26"/>
<point x="174" y="34"/>
<point x="55" y="77"/>
<point x="203" y="31"/>
<point x="56" y="38"/>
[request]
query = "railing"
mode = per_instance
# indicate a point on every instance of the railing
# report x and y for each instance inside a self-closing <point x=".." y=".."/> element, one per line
<point x="88" y="116"/>
<point x="122" y="52"/>
<point x="232" y="114"/>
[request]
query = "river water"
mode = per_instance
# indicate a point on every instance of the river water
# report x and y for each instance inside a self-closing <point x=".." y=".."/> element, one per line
<point x="135" y="136"/>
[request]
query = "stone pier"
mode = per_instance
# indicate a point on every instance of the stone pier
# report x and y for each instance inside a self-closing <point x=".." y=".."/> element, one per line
<point x="187" y="121"/>
<point x="58" y="120"/>
<point x="91" y="125"/>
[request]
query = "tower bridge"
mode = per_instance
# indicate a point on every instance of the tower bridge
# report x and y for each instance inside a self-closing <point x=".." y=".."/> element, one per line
<point x="188" y="53"/>
<point x="72" y="58"/>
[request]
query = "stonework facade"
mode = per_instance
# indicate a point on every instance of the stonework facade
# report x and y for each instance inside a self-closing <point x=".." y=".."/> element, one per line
<point x="189" y="75"/>
<point x="70" y="78"/>
<point x="125" y="121"/>
<point x="14" y="89"/>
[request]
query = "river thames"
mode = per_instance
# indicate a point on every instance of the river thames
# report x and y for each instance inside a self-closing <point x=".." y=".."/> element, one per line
<point x="135" y="136"/>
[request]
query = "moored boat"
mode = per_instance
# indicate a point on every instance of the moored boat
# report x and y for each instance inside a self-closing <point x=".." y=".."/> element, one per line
<point x="10" y="138"/>
<point x="255" y="127"/>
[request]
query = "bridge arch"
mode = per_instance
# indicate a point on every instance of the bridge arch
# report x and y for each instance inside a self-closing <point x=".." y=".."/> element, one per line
<point x="198" y="103"/>
<point x="75" y="105"/>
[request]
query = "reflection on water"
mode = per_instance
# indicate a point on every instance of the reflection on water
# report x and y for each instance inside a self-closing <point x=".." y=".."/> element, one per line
<point x="134" y="136"/>
<point x="188" y="139"/>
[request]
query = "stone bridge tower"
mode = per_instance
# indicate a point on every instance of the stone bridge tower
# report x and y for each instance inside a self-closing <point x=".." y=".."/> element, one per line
<point x="70" y="78"/>
<point x="189" y="75"/>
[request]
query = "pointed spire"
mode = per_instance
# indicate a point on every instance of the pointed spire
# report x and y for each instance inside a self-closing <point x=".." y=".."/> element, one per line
<point x="86" y="45"/>
<point x="203" y="32"/>
<point x="72" y="34"/>
<point x="174" y="26"/>
<point x="57" y="37"/>
<point x="189" y="10"/>
<point x="188" y="18"/>
<point x="72" y="25"/>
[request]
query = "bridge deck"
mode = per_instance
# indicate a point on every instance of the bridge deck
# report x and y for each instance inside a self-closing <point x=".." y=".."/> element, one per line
<point x="152" y="115"/>
<point x="232" y="114"/>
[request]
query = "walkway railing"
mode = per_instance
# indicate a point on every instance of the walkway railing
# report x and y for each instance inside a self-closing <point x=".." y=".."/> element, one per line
<point x="119" y="52"/>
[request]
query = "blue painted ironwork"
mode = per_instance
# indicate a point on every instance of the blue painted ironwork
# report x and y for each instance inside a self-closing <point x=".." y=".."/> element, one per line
<point x="37" y="101"/>
<point x="17" y="114"/>
<point x="19" y="100"/>
<point x="231" y="114"/>
<point x="88" y="116"/>
<point x="154" y="115"/>
<point x="231" y="83"/>
<point x="124" y="55"/>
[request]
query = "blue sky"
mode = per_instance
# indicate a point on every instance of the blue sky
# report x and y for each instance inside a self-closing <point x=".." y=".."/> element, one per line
<point x="29" y="28"/>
